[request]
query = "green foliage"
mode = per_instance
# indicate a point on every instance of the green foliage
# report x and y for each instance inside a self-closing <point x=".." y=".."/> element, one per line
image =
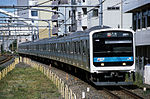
<point x="138" y="79"/>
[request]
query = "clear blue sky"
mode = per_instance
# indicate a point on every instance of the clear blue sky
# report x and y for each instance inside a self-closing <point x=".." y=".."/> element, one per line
<point x="7" y="2"/>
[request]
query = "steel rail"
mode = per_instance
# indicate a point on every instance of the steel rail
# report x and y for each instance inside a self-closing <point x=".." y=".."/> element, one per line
<point x="135" y="96"/>
<point x="6" y="59"/>
<point x="113" y="96"/>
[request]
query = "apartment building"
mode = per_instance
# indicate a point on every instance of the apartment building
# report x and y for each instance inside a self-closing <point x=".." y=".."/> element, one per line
<point x="81" y="18"/>
<point x="141" y="25"/>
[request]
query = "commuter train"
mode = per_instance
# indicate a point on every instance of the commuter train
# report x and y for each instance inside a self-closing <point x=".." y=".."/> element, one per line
<point x="102" y="55"/>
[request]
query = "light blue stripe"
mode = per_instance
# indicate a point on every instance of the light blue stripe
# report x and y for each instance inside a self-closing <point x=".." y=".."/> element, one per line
<point x="112" y="59"/>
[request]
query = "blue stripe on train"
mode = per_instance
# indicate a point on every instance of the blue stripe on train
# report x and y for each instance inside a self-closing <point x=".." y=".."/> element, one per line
<point x="112" y="59"/>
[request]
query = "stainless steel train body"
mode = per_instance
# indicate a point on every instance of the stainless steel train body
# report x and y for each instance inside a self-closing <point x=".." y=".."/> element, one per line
<point x="104" y="54"/>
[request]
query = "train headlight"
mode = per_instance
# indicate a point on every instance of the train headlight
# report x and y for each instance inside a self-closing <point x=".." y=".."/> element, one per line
<point x="102" y="64"/>
<point x="124" y="64"/>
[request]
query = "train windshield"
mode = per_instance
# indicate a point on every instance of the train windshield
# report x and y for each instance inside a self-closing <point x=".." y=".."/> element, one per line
<point x="114" y="46"/>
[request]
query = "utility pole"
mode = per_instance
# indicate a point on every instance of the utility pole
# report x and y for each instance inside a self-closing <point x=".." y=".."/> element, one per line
<point x="100" y="13"/>
<point x="73" y="17"/>
<point x="121" y="13"/>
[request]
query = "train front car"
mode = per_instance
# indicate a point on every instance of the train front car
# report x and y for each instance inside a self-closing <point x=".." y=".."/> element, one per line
<point x="112" y="55"/>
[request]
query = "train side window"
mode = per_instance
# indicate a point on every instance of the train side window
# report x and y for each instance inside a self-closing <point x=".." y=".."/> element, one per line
<point x="50" y="46"/>
<point x="79" y="49"/>
<point x="53" y="46"/>
<point x="68" y="48"/>
<point x="77" y="46"/>
<point x="57" y="47"/>
<point x="87" y="47"/>
<point x="65" y="47"/>
<point x="71" y="48"/>
<point x="47" y="47"/>
<point x="44" y="47"/>
<point x="84" y="44"/>
<point x="60" y="47"/>
<point x="74" y="47"/>
<point x="40" y="47"/>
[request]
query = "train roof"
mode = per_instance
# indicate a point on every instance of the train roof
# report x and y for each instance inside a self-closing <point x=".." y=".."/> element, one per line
<point x="66" y="36"/>
<point x="96" y="28"/>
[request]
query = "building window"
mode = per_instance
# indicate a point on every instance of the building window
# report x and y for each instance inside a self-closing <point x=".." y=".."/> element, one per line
<point x="69" y="13"/>
<point x="139" y="20"/>
<point x="84" y="27"/>
<point x="34" y="13"/>
<point x="134" y="21"/>
<point x="95" y="12"/>
<point x="144" y="15"/>
<point x="84" y="11"/>
<point x="113" y="8"/>
<point x="148" y="19"/>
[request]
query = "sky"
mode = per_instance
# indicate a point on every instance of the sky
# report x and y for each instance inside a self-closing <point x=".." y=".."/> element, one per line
<point x="7" y="3"/>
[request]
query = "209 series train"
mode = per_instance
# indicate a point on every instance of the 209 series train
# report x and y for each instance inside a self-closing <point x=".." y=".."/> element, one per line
<point x="100" y="54"/>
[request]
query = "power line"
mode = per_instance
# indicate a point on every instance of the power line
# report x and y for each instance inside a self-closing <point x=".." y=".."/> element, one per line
<point x="34" y="5"/>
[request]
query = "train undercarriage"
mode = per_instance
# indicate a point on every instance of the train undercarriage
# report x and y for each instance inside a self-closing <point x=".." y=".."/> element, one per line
<point x="111" y="78"/>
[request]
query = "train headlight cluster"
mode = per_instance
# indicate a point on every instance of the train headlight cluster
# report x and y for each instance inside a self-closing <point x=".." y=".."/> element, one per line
<point x="124" y="64"/>
<point x="102" y="64"/>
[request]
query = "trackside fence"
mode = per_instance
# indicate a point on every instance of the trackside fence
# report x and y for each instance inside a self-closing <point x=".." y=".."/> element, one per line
<point x="8" y="68"/>
<point x="63" y="88"/>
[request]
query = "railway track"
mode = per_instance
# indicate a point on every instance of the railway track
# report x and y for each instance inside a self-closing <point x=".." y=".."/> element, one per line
<point x="5" y="58"/>
<point x="78" y="86"/>
<point x="112" y="95"/>
<point x="135" y="96"/>
<point x="121" y="93"/>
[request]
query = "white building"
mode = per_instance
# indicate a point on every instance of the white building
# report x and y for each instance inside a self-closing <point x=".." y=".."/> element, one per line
<point x="80" y="18"/>
<point x="27" y="13"/>
<point x="113" y="15"/>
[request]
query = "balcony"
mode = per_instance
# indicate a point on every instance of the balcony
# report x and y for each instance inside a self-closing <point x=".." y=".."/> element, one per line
<point x="55" y="30"/>
<point x="55" y="3"/>
<point x="55" y="18"/>
<point x="63" y="1"/>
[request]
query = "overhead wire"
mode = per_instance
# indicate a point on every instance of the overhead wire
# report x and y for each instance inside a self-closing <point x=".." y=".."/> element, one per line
<point x="34" y="6"/>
